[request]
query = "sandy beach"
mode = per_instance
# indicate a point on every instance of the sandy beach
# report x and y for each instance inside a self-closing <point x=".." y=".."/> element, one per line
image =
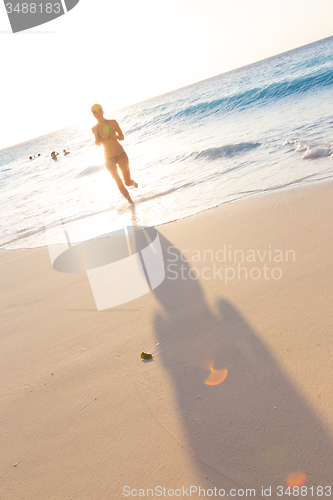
<point x="248" y="293"/>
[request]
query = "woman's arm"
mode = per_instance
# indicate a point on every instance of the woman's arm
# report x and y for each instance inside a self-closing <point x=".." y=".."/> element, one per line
<point x="97" y="142"/>
<point x="119" y="135"/>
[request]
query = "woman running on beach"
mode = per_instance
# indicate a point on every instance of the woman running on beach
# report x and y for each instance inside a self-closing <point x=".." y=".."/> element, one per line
<point x="108" y="133"/>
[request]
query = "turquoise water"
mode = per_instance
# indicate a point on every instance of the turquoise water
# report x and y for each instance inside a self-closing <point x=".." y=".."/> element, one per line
<point x="260" y="128"/>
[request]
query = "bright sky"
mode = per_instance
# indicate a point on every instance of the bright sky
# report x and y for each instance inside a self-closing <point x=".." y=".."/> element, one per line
<point x="118" y="52"/>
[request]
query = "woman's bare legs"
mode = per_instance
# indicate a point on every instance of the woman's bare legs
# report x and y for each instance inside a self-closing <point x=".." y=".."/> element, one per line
<point x="124" y="167"/>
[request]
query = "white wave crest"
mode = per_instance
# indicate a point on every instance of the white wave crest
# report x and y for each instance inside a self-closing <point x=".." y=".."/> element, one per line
<point x="312" y="151"/>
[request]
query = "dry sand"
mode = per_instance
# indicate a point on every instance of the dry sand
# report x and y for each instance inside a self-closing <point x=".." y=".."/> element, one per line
<point x="82" y="416"/>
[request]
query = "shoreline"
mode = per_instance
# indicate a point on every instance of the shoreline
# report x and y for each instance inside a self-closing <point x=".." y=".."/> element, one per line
<point x="276" y="191"/>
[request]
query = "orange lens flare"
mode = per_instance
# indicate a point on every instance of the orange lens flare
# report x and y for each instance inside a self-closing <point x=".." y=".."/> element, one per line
<point x="216" y="377"/>
<point x="296" y="479"/>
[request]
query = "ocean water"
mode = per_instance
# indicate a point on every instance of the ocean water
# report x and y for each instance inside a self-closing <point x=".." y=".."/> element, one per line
<point x="260" y="128"/>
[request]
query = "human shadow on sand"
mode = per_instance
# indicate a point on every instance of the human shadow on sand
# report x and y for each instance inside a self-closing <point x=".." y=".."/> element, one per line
<point x="254" y="429"/>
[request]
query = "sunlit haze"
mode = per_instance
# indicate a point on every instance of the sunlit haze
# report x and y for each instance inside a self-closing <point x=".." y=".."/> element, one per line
<point x="119" y="53"/>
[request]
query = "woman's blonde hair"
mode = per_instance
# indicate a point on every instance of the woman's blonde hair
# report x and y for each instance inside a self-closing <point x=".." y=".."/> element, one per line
<point x="96" y="107"/>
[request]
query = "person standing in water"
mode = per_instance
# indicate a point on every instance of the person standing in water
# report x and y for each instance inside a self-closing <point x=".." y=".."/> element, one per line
<point x="54" y="155"/>
<point x="108" y="133"/>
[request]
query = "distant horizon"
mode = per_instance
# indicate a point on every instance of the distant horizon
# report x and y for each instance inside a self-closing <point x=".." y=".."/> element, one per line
<point x="167" y="92"/>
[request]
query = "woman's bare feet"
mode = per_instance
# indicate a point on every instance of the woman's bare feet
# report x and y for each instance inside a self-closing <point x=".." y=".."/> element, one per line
<point x="135" y="184"/>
